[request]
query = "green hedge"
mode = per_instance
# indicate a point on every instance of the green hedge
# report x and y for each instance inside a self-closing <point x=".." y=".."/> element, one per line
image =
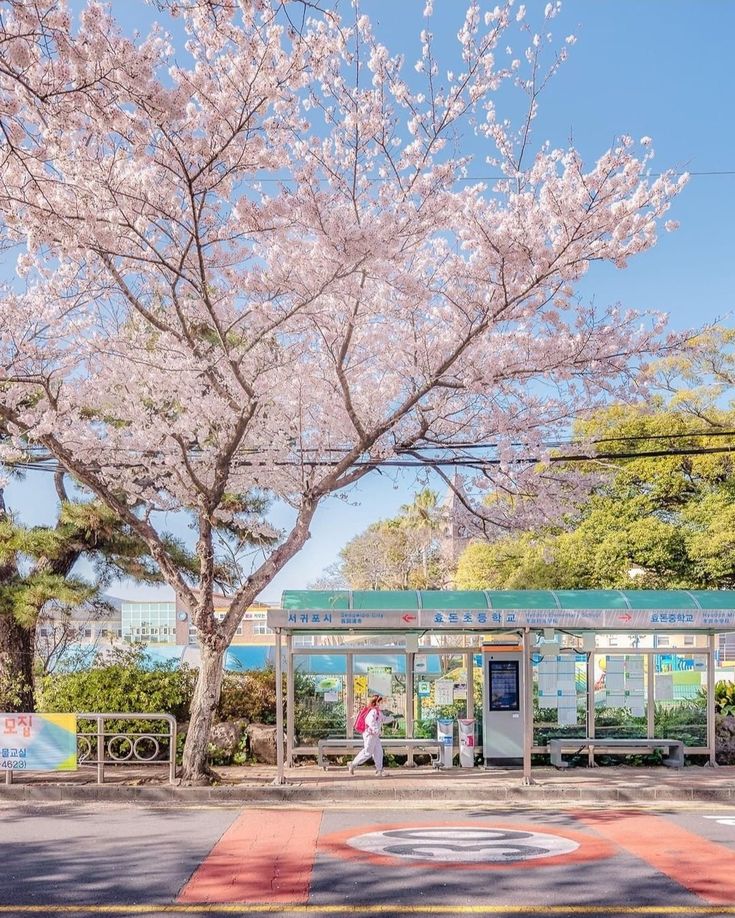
<point x="129" y="683"/>
<point x="125" y="685"/>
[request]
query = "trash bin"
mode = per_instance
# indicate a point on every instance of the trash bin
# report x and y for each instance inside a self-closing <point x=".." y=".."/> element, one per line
<point x="467" y="742"/>
<point x="445" y="733"/>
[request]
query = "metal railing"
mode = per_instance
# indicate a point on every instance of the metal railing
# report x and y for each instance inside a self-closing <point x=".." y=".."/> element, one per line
<point x="101" y="747"/>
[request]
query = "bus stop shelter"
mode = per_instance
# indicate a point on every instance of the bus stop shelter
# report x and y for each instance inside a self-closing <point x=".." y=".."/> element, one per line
<point x="640" y="652"/>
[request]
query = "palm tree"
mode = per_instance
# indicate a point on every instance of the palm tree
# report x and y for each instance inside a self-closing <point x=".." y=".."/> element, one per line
<point x="425" y="517"/>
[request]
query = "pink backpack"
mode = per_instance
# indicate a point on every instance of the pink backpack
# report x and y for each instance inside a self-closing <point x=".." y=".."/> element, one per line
<point x="360" y="720"/>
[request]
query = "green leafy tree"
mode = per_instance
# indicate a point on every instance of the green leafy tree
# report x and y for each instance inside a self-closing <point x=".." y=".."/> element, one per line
<point x="37" y="569"/>
<point x="656" y="522"/>
<point x="382" y="557"/>
<point x="401" y="553"/>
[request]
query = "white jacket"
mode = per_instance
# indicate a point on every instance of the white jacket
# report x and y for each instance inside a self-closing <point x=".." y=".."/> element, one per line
<point x="373" y="722"/>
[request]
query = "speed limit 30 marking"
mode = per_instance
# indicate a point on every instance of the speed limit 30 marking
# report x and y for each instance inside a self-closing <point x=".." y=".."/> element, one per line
<point x="465" y="846"/>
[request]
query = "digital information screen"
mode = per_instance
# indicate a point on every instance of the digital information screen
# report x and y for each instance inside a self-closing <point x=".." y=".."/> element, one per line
<point x="503" y="685"/>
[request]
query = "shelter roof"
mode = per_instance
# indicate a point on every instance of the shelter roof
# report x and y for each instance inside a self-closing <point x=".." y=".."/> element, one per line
<point x="548" y="600"/>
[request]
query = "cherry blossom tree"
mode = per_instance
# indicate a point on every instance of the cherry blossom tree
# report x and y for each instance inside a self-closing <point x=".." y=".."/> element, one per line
<point x="258" y="266"/>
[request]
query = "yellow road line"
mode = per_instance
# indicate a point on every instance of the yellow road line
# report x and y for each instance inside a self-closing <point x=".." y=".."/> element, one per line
<point x="285" y="908"/>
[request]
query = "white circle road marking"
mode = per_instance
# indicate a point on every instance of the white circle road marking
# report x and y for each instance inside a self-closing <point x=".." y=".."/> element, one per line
<point x="463" y="844"/>
<point x="723" y="820"/>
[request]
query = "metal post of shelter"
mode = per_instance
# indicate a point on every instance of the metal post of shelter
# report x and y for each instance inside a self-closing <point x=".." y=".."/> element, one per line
<point x="651" y="695"/>
<point x="349" y="694"/>
<point x="470" y="677"/>
<point x="469" y="668"/>
<point x="280" y="776"/>
<point x="410" y="658"/>
<point x="289" y="700"/>
<point x="527" y="707"/>
<point x="711" y="718"/>
<point x="590" y="704"/>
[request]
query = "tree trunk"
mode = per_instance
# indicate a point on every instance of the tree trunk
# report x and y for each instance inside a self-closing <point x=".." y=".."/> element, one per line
<point x="202" y="711"/>
<point x="16" y="665"/>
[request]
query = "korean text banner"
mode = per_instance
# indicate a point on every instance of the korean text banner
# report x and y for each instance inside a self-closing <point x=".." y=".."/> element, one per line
<point x="38" y="742"/>
<point x="497" y="619"/>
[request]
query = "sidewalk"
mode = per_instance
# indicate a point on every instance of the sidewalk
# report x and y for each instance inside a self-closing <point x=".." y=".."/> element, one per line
<point x="311" y="786"/>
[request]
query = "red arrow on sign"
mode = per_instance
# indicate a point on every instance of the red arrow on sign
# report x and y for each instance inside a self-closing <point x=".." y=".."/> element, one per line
<point x="626" y="618"/>
<point x="409" y="618"/>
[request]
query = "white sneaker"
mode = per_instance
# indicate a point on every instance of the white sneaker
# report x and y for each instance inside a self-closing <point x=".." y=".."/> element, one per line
<point x="351" y="768"/>
<point x="380" y="774"/>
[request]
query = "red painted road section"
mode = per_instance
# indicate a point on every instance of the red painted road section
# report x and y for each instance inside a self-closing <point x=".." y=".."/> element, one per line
<point x="265" y="856"/>
<point x="268" y="855"/>
<point x="701" y="866"/>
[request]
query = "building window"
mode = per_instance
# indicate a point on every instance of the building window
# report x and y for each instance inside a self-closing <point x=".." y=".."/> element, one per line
<point x="262" y="628"/>
<point x="149" y="620"/>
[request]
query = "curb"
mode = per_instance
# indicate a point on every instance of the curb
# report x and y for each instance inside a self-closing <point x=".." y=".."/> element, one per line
<point x="297" y="794"/>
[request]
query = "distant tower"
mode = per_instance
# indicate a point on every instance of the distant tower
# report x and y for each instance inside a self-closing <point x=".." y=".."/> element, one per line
<point x="454" y="537"/>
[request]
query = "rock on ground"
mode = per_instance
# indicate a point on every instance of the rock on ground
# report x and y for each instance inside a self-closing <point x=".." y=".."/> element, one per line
<point x="262" y="743"/>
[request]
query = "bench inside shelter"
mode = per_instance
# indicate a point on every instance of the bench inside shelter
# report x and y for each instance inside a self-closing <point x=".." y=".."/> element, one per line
<point x="336" y="746"/>
<point x="674" y="748"/>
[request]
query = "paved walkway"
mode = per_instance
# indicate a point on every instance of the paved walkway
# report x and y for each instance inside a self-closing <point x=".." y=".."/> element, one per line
<point x="310" y="785"/>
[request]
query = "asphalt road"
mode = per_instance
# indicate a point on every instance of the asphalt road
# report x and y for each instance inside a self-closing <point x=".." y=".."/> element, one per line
<point x="117" y="860"/>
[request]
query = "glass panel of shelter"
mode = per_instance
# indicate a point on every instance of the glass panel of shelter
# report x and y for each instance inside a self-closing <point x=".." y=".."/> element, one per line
<point x="679" y="692"/>
<point x="383" y="675"/>
<point x="559" y="695"/>
<point x="626" y="673"/>
<point x="319" y="698"/>
<point x="440" y="689"/>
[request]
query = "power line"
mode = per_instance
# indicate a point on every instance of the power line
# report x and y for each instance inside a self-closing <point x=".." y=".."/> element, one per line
<point x="42" y="453"/>
<point x="50" y="464"/>
<point x="707" y="172"/>
<point x="378" y="180"/>
<point x="552" y="444"/>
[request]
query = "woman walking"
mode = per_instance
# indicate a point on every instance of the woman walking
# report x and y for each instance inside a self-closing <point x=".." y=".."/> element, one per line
<point x="371" y="746"/>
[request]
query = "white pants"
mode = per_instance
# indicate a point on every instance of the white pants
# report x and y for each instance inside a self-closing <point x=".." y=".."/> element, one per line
<point x="371" y="749"/>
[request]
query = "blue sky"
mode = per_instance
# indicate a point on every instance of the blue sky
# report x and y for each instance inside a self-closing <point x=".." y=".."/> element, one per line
<point x="640" y="67"/>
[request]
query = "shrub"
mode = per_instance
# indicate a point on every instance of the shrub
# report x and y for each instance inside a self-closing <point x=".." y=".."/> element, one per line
<point x="313" y="723"/>
<point x="725" y="698"/>
<point x="249" y="696"/>
<point x="126" y="684"/>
